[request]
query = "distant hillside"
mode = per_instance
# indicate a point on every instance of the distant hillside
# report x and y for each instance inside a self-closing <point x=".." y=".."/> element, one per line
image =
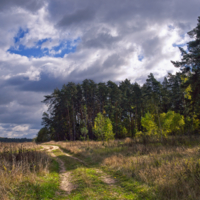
<point x="15" y="139"/>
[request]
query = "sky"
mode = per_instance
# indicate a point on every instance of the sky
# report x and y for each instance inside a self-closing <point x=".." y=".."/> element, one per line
<point x="46" y="43"/>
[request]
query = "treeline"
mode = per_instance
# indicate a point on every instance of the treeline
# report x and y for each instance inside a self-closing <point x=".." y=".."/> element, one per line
<point x="15" y="140"/>
<point x="75" y="106"/>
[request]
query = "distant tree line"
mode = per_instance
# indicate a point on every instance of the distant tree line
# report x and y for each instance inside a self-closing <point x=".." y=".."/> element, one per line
<point x="15" y="140"/>
<point x="73" y="109"/>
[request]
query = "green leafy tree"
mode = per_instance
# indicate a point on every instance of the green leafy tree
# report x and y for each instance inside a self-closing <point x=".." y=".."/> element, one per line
<point x="124" y="132"/>
<point x="172" y="122"/>
<point x="177" y="123"/>
<point x="98" y="128"/>
<point x="103" y="128"/>
<point x="108" y="130"/>
<point x="149" y="124"/>
<point x="84" y="132"/>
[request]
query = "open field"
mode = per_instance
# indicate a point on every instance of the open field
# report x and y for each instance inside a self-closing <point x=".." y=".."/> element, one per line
<point x="137" y="171"/>
<point x="120" y="169"/>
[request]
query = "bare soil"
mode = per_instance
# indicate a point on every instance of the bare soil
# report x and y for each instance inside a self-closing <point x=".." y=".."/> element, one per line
<point x="65" y="177"/>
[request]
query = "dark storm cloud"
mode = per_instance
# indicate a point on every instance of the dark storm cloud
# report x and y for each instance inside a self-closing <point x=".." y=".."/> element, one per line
<point x="114" y="12"/>
<point x="97" y="71"/>
<point x="20" y="116"/>
<point x="6" y="97"/>
<point x="100" y="40"/>
<point x="20" y="106"/>
<point x="32" y="5"/>
<point x="152" y="46"/>
<point x="97" y="75"/>
<point x="79" y="16"/>
<point x="16" y="80"/>
<point x="46" y="83"/>
<point x="114" y="61"/>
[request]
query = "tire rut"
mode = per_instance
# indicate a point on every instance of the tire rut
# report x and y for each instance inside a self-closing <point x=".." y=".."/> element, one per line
<point x="106" y="178"/>
<point x="65" y="177"/>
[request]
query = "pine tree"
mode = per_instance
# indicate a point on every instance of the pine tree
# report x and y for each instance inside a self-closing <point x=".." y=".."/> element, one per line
<point x="190" y="66"/>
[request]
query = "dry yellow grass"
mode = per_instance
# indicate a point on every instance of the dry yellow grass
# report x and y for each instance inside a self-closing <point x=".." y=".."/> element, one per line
<point x="19" y="162"/>
<point x="172" y="169"/>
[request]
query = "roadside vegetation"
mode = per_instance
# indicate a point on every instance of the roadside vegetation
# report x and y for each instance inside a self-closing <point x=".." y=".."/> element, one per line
<point x="26" y="172"/>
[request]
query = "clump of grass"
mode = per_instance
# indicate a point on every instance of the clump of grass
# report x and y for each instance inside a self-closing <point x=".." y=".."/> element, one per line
<point x="17" y="164"/>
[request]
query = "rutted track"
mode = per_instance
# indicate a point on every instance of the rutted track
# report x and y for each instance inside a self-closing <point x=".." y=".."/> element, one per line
<point x="65" y="176"/>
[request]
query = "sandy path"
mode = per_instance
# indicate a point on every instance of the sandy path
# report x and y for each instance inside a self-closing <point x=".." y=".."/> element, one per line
<point x="65" y="177"/>
<point x="106" y="178"/>
<point x="50" y="148"/>
<point x="68" y="155"/>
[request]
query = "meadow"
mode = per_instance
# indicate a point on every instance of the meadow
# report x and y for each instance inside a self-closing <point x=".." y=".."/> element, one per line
<point x="118" y="169"/>
<point x="153" y="171"/>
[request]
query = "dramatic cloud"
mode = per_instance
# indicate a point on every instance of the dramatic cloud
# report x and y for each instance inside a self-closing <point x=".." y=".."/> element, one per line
<point x="31" y="5"/>
<point x="46" y="43"/>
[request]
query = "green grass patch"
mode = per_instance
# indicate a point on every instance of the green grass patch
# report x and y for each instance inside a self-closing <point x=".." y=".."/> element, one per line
<point x="43" y="187"/>
<point x="90" y="185"/>
<point x="141" y="190"/>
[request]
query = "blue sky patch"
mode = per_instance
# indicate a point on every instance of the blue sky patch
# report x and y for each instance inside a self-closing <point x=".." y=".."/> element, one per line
<point x="28" y="52"/>
<point x="140" y="57"/>
<point x="65" y="47"/>
<point x="40" y="42"/>
<point x="21" y="33"/>
<point x="179" y="45"/>
<point x="171" y="27"/>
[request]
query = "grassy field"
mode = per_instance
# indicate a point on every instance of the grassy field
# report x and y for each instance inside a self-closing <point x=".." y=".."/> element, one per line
<point x="136" y="171"/>
<point x="123" y="169"/>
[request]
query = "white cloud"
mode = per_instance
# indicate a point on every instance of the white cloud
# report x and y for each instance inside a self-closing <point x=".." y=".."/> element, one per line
<point x="21" y="128"/>
<point x="111" y="39"/>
